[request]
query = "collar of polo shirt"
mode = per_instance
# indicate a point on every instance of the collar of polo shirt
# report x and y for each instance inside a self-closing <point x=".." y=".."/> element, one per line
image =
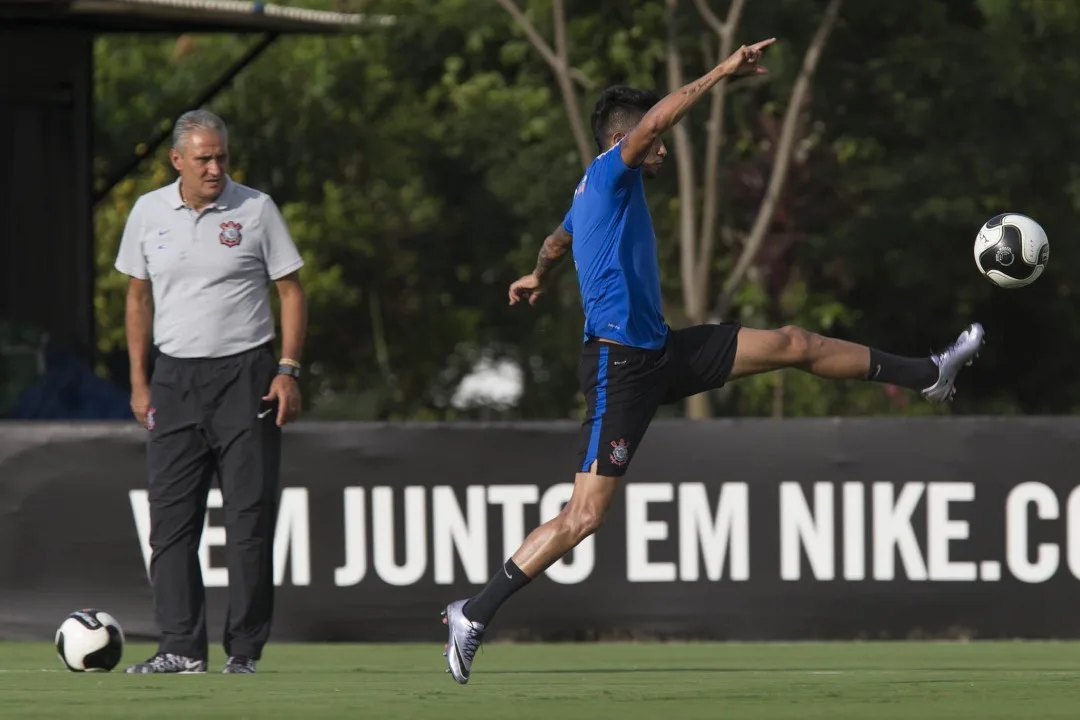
<point x="221" y="203"/>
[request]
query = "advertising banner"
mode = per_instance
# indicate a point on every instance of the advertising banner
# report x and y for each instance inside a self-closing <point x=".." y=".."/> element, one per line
<point x="727" y="529"/>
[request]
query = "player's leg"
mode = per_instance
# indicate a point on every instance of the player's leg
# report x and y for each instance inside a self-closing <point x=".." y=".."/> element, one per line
<point x="180" y="469"/>
<point x="622" y="387"/>
<point x="933" y="375"/>
<point x="467" y="620"/>
<point x="249" y="457"/>
<point x="580" y="517"/>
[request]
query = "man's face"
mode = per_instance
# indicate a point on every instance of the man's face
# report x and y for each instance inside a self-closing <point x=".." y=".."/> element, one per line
<point x="655" y="160"/>
<point x="202" y="165"/>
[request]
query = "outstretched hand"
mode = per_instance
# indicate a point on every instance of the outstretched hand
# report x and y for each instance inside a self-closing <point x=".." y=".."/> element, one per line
<point x="744" y="61"/>
<point x="526" y="287"/>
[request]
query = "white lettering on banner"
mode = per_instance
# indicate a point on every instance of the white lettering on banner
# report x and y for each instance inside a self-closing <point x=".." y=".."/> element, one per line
<point x="293" y="532"/>
<point x="893" y="531"/>
<point x="140" y="511"/>
<point x="713" y="539"/>
<point x="701" y="536"/>
<point x="1072" y="541"/>
<point x="566" y="571"/>
<point x="941" y="530"/>
<point x="513" y="499"/>
<point x="355" y="567"/>
<point x="382" y="510"/>
<point x="802" y="528"/>
<point x="1016" y="532"/>
<point x="213" y="535"/>
<point x="453" y="531"/>
<point x="854" y="531"/>
<point x="640" y="530"/>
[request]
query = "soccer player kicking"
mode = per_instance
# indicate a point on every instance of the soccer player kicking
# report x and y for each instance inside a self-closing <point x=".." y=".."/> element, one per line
<point x="631" y="361"/>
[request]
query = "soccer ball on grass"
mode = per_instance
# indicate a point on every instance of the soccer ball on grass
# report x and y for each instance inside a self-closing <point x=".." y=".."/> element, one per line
<point x="90" y="641"/>
<point x="1011" y="250"/>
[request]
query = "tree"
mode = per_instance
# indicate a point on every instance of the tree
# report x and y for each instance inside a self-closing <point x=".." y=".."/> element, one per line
<point x="421" y="166"/>
<point x="699" y="200"/>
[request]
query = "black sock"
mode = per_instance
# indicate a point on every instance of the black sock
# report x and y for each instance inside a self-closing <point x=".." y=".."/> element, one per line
<point x="504" y="583"/>
<point x="913" y="373"/>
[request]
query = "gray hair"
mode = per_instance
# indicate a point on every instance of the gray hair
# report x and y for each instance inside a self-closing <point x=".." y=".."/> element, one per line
<point x="194" y="120"/>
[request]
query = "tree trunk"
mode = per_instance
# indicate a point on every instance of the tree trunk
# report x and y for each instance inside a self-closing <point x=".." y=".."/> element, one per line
<point x="565" y="75"/>
<point x="698" y="407"/>
<point x="781" y="162"/>
<point x="778" y="394"/>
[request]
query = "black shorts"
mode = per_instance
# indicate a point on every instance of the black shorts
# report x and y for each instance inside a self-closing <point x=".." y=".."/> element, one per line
<point x="624" y="386"/>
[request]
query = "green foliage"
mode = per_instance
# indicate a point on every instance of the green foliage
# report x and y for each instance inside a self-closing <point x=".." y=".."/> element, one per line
<point x="421" y="166"/>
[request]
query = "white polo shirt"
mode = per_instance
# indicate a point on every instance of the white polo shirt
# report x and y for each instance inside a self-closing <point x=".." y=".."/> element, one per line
<point x="210" y="271"/>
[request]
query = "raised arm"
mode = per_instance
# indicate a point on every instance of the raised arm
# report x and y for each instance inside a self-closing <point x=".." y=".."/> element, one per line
<point x="532" y="285"/>
<point x="666" y="113"/>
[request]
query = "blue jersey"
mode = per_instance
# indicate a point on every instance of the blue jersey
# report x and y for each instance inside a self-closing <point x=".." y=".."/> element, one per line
<point x="615" y="255"/>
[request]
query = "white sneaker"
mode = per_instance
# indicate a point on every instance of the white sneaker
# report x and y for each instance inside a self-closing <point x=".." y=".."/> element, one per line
<point x="168" y="663"/>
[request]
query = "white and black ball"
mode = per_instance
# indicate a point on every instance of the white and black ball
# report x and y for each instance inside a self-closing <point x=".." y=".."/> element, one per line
<point x="1011" y="250"/>
<point x="90" y="641"/>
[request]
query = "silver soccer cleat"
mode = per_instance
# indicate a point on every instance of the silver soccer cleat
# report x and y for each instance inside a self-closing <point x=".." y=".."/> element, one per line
<point x="952" y="360"/>
<point x="465" y="639"/>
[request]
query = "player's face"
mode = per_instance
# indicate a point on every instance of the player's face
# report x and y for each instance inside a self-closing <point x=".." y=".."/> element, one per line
<point x="655" y="159"/>
<point x="202" y="165"/>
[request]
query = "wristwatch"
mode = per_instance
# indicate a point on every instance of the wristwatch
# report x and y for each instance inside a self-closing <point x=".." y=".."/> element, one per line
<point x="288" y="367"/>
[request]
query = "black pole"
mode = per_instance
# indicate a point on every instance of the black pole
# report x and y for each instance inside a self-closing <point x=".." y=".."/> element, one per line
<point x="206" y="96"/>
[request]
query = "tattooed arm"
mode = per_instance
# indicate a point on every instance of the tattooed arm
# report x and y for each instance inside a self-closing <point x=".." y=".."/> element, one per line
<point x="666" y="113"/>
<point x="531" y="286"/>
<point x="555" y="246"/>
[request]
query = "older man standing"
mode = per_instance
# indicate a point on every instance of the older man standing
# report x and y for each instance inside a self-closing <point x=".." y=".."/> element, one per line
<point x="201" y="254"/>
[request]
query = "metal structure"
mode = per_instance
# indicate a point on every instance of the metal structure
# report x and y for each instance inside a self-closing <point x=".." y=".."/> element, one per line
<point x="46" y="130"/>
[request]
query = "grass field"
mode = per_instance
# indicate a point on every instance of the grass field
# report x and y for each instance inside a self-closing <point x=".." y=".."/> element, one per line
<point x="874" y="681"/>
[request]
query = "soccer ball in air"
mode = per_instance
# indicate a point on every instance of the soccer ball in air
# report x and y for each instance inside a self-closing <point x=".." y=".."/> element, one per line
<point x="1011" y="250"/>
<point x="90" y="641"/>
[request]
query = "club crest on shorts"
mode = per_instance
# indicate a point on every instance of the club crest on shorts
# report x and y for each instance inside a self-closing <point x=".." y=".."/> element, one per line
<point x="150" y="418"/>
<point x="230" y="234"/>
<point x="620" y="453"/>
